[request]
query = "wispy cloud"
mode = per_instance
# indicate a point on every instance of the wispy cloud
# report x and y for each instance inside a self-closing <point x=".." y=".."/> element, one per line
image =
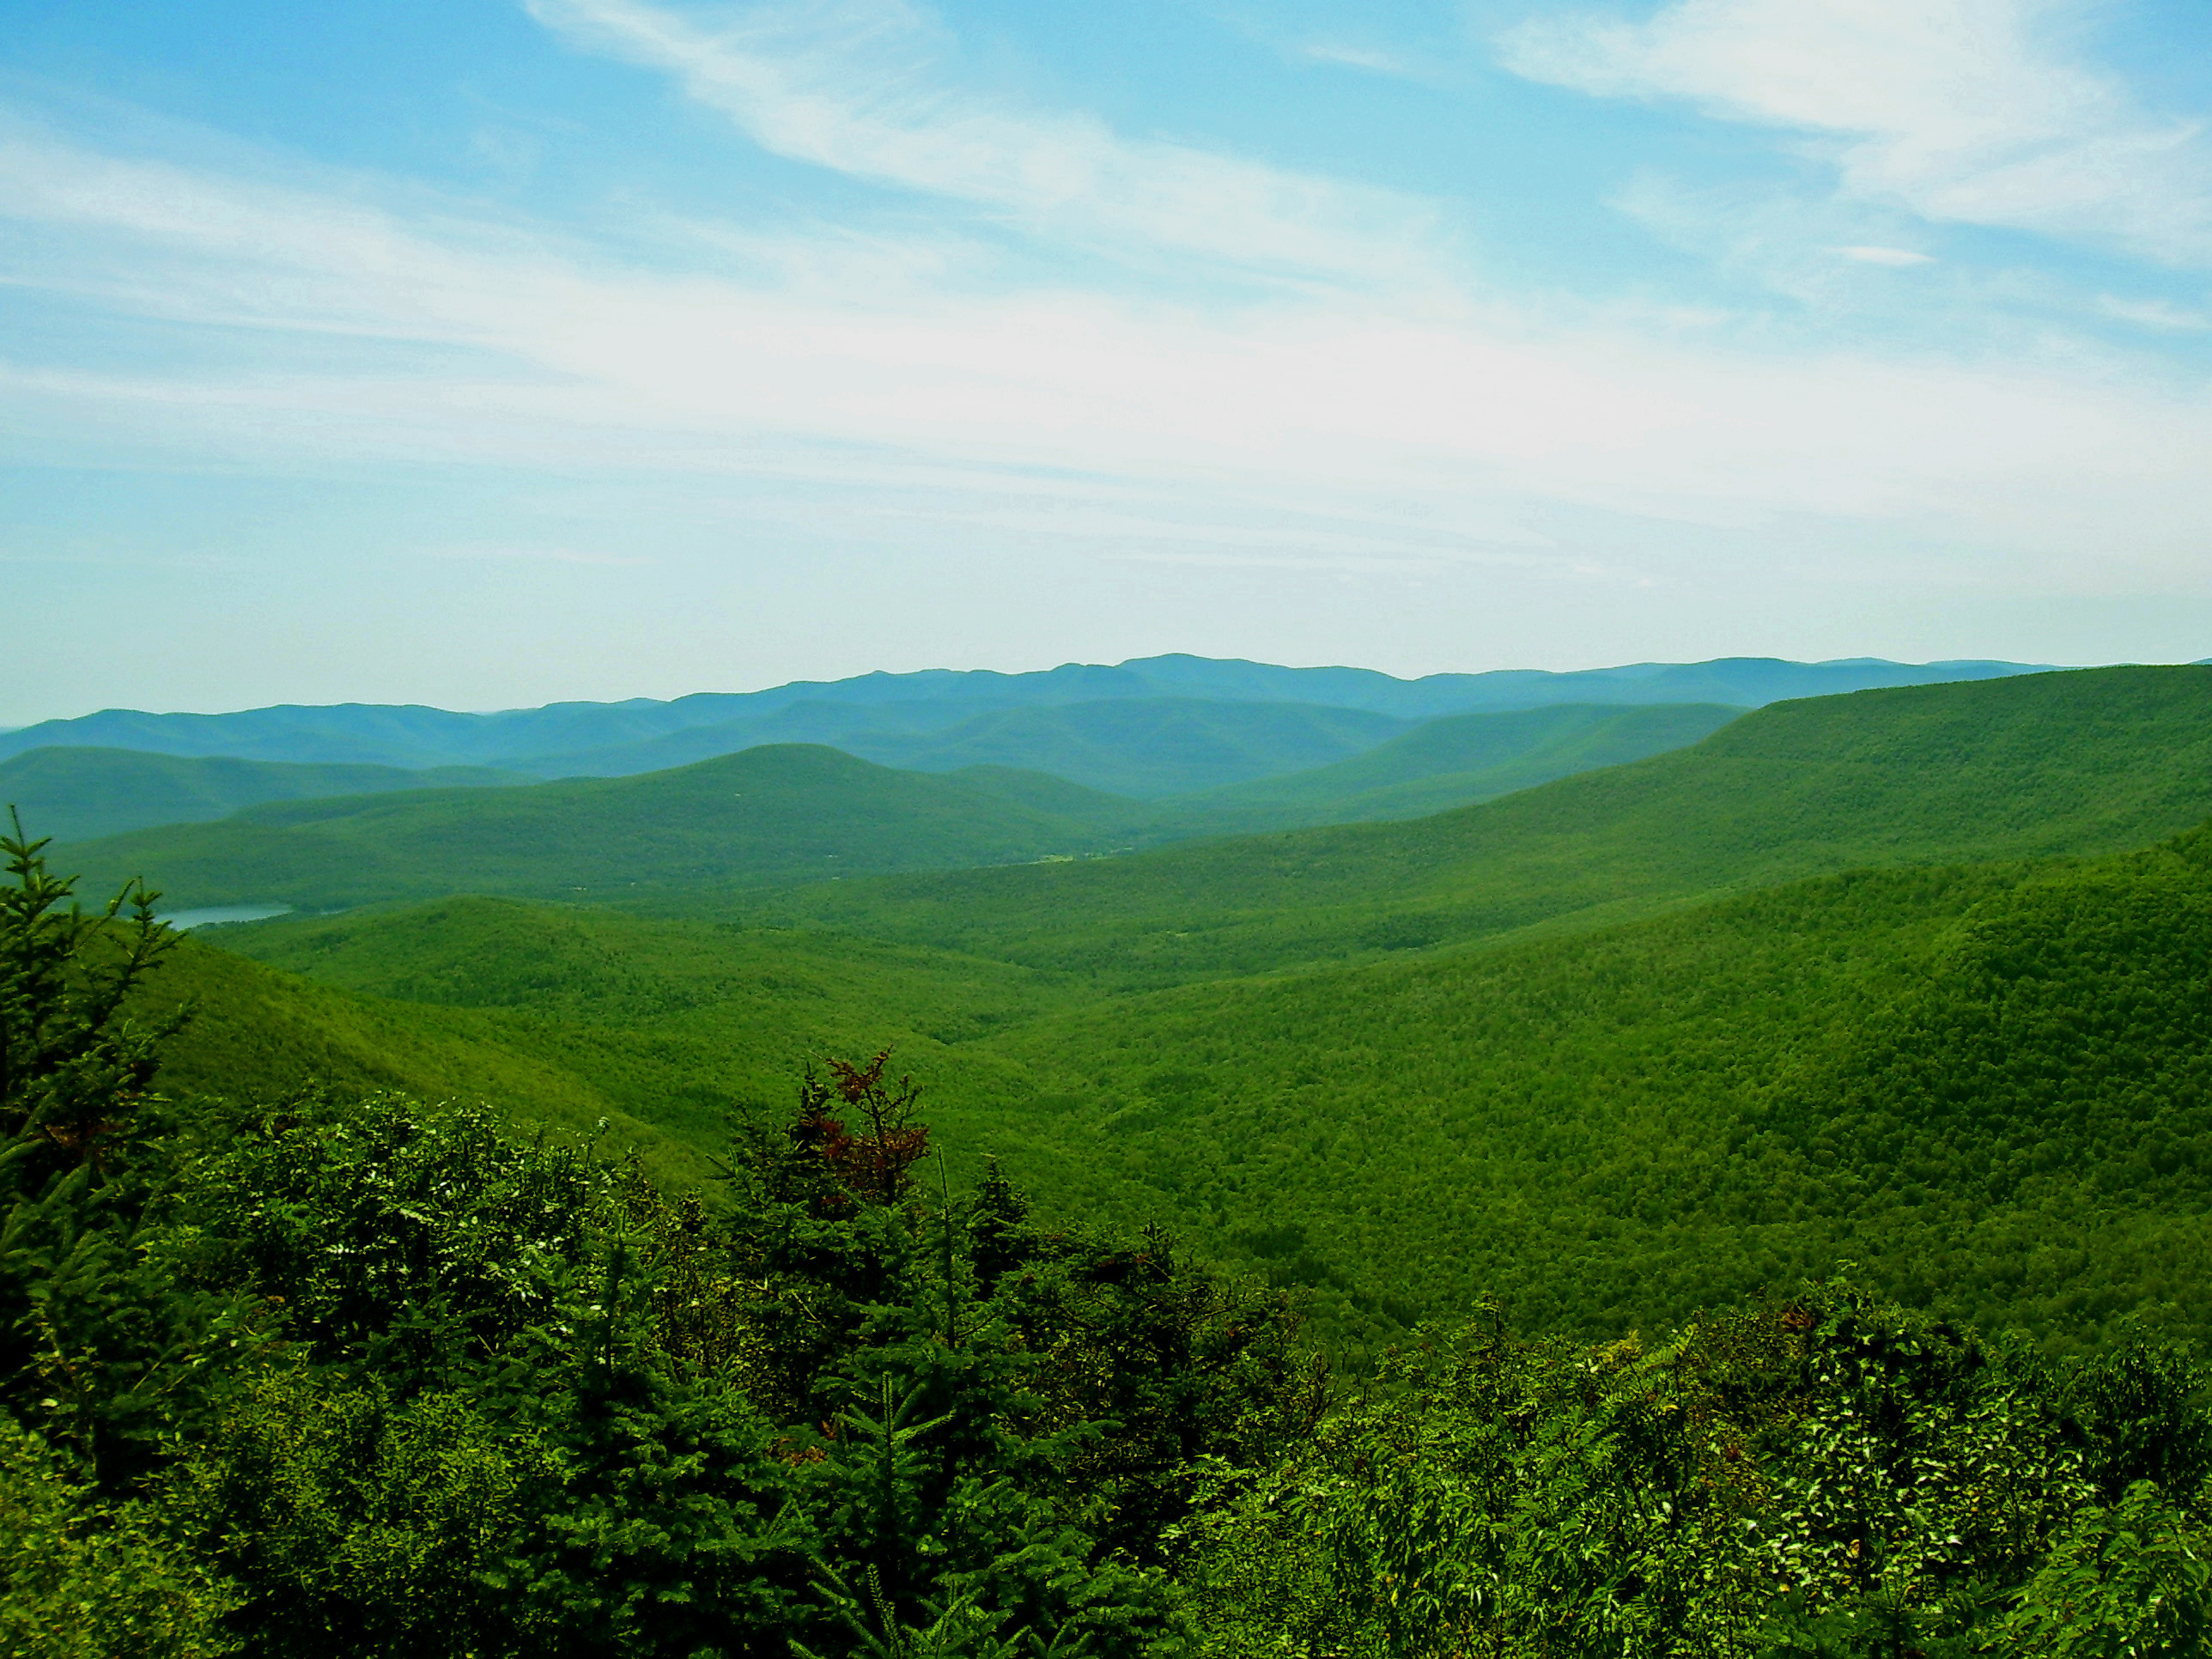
<point x="1376" y="60"/>
<point x="1899" y="258"/>
<point x="507" y="348"/>
<point x="2160" y="314"/>
<point x="314" y="322"/>
<point x="480" y="553"/>
<point x="870" y="88"/>
<point x="1977" y="112"/>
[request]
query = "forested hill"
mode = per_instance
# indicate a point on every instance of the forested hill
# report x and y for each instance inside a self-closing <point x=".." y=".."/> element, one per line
<point x="1985" y="1084"/>
<point x="310" y="1375"/>
<point x="299" y="1366"/>
<point x="80" y="795"/>
<point x="777" y="814"/>
<point x="330" y="850"/>
<point x="1448" y="762"/>
<point x="2082" y="762"/>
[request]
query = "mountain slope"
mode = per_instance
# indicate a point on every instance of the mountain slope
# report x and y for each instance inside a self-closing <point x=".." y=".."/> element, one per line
<point x="1990" y="1086"/>
<point x="564" y="1015"/>
<point x="76" y="794"/>
<point x="1144" y="746"/>
<point x="1452" y="761"/>
<point x="769" y="814"/>
<point x="2083" y="761"/>
<point x="257" y="1035"/>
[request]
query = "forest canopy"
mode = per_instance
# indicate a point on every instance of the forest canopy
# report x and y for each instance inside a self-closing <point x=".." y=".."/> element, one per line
<point x="328" y="1374"/>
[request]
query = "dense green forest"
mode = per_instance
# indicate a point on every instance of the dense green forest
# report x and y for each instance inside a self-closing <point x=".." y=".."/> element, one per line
<point x="1600" y="1126"/>
<point x="1452" y="761"/>
<point x="329" y="1373"/>
<point x="1749" y="1201"/>
<point x="1607" y="1129"/>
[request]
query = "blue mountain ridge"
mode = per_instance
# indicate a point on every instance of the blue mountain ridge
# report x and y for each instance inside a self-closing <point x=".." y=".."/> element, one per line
<point x="634" y="735"/>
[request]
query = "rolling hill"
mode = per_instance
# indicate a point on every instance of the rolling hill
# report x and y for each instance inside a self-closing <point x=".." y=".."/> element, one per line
<point x="1145" y="747"/>
<point x="1895" y="977"/>
<point x="1456" y="761"/>
<point x="1988" y="1085"/>
<point x="2085" y="761"/>
<point x="776" y="814"/>
<point x="353" y="849"/>
<point x="78" y="795"/>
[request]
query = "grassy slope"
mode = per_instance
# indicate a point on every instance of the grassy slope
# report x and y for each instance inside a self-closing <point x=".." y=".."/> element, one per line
<point x="76" y="794"/>
<point x="2084" y="761"/>
<point x="767" y="815"/>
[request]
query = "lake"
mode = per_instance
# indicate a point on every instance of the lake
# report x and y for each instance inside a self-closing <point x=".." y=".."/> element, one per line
<point x="215" y="915"/>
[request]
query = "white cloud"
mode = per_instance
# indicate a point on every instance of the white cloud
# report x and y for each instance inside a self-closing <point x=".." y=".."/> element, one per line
<point x="1327" y="425"/>
<point x="1969" y="111"/>
<point x="861" y="87"/>
<point x="1371" y="59"/>
<point x="1901" y="258"/>
<point x="2154" y="313"/>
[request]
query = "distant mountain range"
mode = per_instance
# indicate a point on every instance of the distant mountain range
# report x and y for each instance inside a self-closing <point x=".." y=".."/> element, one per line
<point x="970" y="716"/>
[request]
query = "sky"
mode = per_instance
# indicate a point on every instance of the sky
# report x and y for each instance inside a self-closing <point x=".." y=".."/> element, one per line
<point x="484" y="353"/>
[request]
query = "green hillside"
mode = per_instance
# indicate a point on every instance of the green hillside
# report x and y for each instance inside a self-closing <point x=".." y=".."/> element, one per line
<point x="2085" y="761"/>
<point x="77" y="794"/>
<point x="257" y="1034"/>
<point x="1143" y="747"/>
<point x="778" y="814"/>
<point x="1988" y="1085"/>
<point x="1453" y="762"/>
<point x="1978" y="1078"/>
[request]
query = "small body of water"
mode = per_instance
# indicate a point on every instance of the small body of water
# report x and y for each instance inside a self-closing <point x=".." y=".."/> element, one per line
<point x="216" y="915"/>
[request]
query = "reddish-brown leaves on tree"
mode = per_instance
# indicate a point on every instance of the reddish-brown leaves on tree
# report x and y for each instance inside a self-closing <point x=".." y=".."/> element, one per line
<point x="872" y="1162"/>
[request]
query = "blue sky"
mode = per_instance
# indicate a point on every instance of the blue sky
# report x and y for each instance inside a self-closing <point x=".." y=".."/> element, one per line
<point x="482" y="353"/>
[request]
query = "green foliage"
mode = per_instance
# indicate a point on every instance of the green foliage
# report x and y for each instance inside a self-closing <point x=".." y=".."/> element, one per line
<point x="1986" y="1085"/>
<point x="344" y="1373"/>
<point x="363" y="1523"/>
<point x="80" y="1579"/>
<point x="1821" y="1475"/>
<point x="72" y="1065"/>
<point x="2134" y="1582"/>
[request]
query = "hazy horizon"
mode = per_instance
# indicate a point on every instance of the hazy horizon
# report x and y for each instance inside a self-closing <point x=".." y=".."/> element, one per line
<point x="8" y="726"/>
<point x="510" y="351"/>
